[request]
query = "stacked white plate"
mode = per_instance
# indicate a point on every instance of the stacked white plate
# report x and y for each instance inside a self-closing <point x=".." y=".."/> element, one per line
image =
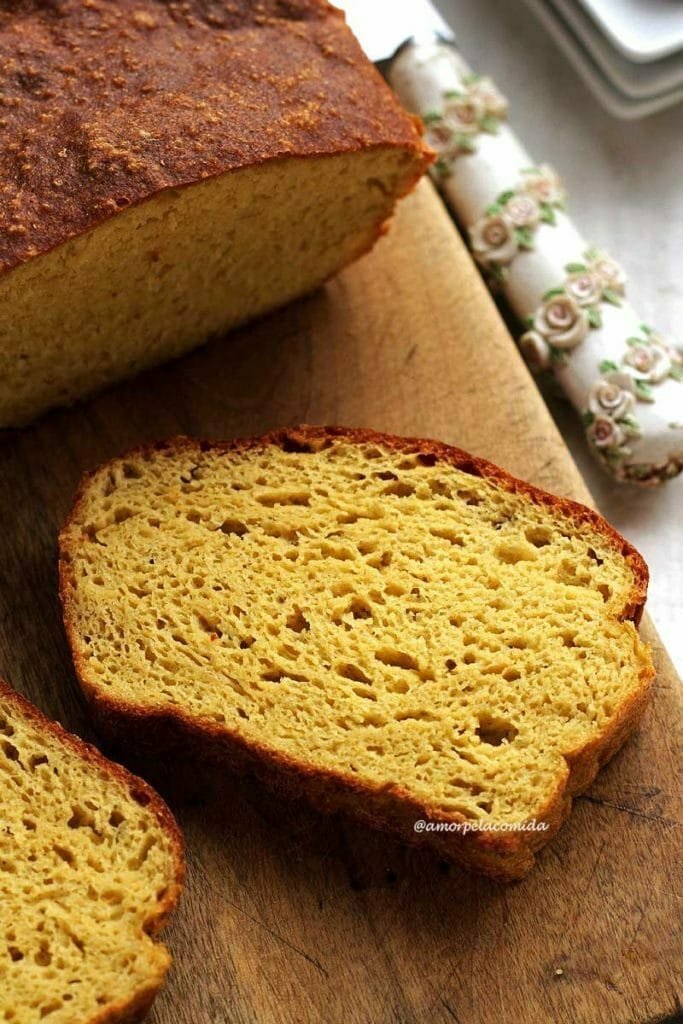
<point x="629" y="52"/>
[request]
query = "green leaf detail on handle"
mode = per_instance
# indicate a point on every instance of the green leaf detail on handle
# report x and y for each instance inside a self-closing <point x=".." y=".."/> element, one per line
<point x="553" y="293"/>
<point x="575" y="268"/>
<point x="547" y="214"/>
<point x="525" y="238"/>
<point x="489" y="124"/>
<point x="639" y="470"/>
<point x="465" y="142"/>
<point x="594" y="317"/>
<point x="588" y="418"/>
<point x="643" y="391"/>
<point x="676" y="372"/>
<point x="607" y="366"/>
<point x="609" y="295"/>
<point x="631" y="424"/>
<point x="558" y="356"/>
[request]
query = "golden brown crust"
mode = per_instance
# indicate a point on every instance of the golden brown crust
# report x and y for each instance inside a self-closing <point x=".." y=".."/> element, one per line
<point x="503" y="856"/>
<point x="140" y="791"/>
<point x="105" y="104"/>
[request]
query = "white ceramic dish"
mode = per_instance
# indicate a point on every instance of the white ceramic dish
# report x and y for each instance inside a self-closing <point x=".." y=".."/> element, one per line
<point x="643" y="30"/>
<point x="638" y="81"/>
<point x="618" y="103"/>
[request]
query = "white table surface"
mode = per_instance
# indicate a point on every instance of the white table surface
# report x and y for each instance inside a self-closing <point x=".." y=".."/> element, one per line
<point x="625" y="183"/>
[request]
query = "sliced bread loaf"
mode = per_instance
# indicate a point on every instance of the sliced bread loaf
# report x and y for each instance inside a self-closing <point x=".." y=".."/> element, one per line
<point x="172" y="170"/>
<point x="390" y="626"/>
<point x="91" y="865"/>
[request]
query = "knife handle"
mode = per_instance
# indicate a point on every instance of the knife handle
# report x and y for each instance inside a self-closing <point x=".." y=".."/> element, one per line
<point x="622" y="377"/>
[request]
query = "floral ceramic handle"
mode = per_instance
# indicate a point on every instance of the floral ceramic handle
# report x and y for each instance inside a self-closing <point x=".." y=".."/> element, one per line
<point x="624" y="379"/>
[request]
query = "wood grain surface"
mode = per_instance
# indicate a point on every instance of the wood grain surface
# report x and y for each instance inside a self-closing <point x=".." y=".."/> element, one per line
<point x="292" y="918"/>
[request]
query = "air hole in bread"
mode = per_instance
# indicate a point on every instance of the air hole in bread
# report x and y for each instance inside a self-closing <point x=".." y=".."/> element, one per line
<point x="513" y="551"/>
<point x="440" y="487"/>
<point x="415" y="715"/>
<point x="212" y="628"/>
<point x="64" y="854"/>
<point x="297" y="621"/>
<point x="360" y="608"/>
<point x="234" y="526"/>
<point x="354" y="673"/>
<point x="9" y="750"/>
<point x="272" y="498"/>
<point x="397" y="659"/>
<point x="5" y="728"/>
<point x="397" y="685"/>
<point x="400" y="488"/>
<point x="495" y="731"/>
<point x="539" y="536"/>
<point x="449" y="534"/>
<point x="470" y="497"/>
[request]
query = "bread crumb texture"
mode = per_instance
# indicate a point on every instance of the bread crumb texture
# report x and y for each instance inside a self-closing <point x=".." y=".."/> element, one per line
<point x="392" y="613"/>
<point x="90" y="865"/>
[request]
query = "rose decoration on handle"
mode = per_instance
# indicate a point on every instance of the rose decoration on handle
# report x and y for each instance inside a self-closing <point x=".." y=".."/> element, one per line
<point x="476" y="106"/>
<point x="624" y="379"/>
<point x="510" y="222"/>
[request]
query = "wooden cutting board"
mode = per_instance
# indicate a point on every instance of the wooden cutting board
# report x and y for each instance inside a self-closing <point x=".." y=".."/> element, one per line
<point x="291" y="918"/>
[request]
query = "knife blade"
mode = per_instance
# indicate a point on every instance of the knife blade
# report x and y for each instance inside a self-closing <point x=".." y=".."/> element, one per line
<point x="384" y="26"/>
<point x="623" y="378"/>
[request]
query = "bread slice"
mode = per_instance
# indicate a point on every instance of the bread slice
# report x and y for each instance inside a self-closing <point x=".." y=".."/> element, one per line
<point x="91" y="865"/>
<point x="172" y="170"/>
<point x="390" y="626"/>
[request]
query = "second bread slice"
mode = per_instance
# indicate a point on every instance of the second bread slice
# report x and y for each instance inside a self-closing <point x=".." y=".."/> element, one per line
<point x="91" y="866"/>
<point x="390" y="626"/>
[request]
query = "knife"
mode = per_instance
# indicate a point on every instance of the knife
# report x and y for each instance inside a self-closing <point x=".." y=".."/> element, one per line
<point x="624" y="379"/>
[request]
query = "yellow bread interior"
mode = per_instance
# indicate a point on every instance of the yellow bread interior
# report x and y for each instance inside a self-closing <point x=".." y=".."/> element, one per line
<point x="161" y="277"/>
<point x="358" y="610"/>
<point x="84" y="868"/>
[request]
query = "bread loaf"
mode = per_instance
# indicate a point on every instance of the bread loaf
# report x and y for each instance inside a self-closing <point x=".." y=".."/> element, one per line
<point x="390" y="626"/>
<point x="91" y="865"/>
<point x="170" y="170"/>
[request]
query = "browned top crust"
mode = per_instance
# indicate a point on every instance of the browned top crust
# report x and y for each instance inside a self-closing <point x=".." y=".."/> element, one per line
<point x="105" y="102"/>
